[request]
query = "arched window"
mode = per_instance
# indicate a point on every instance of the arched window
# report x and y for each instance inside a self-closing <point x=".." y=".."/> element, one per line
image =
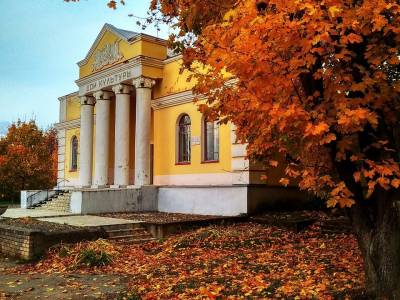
<point x="211" y="141"/>
<point x="74" y="153"/>
<point x="184" y="139"/>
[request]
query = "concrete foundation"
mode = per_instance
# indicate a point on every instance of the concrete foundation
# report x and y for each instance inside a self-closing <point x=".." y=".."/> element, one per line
<point x="114" y="200"/>
<point x="207" y="200"/>
<point x="224" y="200"/>
<point x="229" y="200"/>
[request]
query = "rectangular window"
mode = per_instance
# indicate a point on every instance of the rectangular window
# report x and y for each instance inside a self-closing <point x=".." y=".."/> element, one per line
<point x="184" y="143"/>
<point x="211" y="141"/>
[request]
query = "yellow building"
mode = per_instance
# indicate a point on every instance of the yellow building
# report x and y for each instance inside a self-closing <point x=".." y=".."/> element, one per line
<point x="132" y="133"/>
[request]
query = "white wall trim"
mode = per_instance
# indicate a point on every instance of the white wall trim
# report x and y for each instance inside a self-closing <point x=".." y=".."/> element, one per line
<point x="61" y="133"/>
<point x="172" y="59"/>
<point x="133" y="66"/>
<point x="72" y="124"/>
<point x="173" y="100"/>
<point x="206" y="179"/>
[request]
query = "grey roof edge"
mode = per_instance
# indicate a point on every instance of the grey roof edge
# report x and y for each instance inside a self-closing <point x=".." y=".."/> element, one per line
<point x="68" y="95"/>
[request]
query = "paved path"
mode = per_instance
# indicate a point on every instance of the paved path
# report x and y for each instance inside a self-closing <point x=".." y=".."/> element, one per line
<point x="56" y="286"/>
<point x="88" y="221"/>
<point x="15" y="213"/>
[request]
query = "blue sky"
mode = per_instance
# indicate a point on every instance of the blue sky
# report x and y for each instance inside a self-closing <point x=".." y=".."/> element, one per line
<point x="40" y="43"/>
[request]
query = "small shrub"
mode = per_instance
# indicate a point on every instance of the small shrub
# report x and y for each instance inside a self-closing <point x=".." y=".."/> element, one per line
<point x="96" y="254"/>
<point x="63" y="252"/>
<point x="92" y="258"/>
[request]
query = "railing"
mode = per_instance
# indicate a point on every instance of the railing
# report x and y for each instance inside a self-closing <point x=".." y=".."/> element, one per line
<point x="30" y="198"/>
<point x="39" y="196"/>
<point x="59" y="183"/>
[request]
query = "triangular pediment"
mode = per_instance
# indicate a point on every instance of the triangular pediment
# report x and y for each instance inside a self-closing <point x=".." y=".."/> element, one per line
<point x="120" y="34"/>
<point x="114" y="46"/>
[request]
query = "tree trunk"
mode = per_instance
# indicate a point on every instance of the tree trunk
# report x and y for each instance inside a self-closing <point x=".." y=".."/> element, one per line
<point x="377" y="227"/>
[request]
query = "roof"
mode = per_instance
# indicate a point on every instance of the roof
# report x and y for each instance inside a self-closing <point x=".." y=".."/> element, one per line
<point x="126" y="34"/>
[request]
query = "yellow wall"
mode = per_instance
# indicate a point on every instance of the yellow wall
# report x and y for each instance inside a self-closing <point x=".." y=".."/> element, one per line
<point x="165" y="121"/>
<point x="68" y="138"/>
<point x="173" y="82"/>
<point x="73" y="108"/>
<point x="139" y="47"/>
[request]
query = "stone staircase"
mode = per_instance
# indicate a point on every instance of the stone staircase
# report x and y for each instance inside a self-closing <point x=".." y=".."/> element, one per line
<point x="60" y="202"/>
<point x="128" y="233"/>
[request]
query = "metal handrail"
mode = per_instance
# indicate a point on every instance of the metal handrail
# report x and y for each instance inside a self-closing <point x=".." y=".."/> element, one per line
<point x="30" y="198"/>
<point x="59" y="182"/>
<point x="56" y="190"/>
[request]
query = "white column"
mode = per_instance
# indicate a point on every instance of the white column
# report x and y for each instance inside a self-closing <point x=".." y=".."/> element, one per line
<point x="143" y="87"/>
<point x="122" y="134"/>
<point x="102" y="143"/>
<point x="86" y="141"/>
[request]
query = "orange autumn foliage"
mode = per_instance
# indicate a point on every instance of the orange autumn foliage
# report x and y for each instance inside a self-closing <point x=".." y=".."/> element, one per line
<point x="314" y="80"/>
<point x="28" y="159"/>
<point x="318" y="82"/>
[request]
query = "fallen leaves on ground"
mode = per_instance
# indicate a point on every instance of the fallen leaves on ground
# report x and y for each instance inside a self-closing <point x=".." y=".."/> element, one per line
<point x="242" y="260"/>
<point x="161" y="217"/>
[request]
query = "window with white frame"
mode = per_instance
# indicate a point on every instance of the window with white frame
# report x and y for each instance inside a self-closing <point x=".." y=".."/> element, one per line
<point x="211" y="141"/>
<point x="184" y="136"/>
<point x="74" y="154"/>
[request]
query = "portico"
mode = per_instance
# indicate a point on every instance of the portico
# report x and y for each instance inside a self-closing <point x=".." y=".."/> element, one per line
<point x="138" y="92"/>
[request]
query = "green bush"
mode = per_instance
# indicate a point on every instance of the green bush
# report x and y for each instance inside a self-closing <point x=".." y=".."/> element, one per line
<point x="94" y="258"/>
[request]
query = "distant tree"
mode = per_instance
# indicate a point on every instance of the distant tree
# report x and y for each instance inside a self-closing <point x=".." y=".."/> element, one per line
<point x="28" y="159"/>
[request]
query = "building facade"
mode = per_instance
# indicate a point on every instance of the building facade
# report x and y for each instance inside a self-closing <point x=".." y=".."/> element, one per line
<point x="133" y="123"/>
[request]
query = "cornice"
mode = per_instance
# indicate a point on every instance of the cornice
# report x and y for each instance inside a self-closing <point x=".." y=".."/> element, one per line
<point x="172" y="59"/>
<point x="172" y="100"/>
<point x="148" y="38"/>
<point x="72" y="124"/>
<point x="65" y="97"/>
<point x="138" y="61"/>
<point x="180" y="98"/>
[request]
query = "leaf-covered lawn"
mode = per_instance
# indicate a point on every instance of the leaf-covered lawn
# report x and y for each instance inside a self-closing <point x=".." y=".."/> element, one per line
<point x="248" y="260"/>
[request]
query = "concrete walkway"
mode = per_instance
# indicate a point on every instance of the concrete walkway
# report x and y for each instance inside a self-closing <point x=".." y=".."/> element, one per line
<point x="64" y="218"/>
<point x="15" y="213"/>
<point x="88" y="221"/>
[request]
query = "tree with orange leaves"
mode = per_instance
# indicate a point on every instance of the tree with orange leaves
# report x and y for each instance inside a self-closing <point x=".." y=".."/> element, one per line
<point x="28" y="159"/>
<point x="317" y="82"/>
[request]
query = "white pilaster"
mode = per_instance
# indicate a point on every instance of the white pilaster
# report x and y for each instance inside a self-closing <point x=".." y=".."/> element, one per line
<point x="102" y="143"/>
<point x="143" y="87"/>
<point x="61" y="133"/>
<point x="63" y="109"/>
<point x="122" y="134"/>
<point x="86" y="141"/>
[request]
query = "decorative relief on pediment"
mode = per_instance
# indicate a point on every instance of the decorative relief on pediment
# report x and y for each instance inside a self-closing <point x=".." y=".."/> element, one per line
<point x="107" y="55"/>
